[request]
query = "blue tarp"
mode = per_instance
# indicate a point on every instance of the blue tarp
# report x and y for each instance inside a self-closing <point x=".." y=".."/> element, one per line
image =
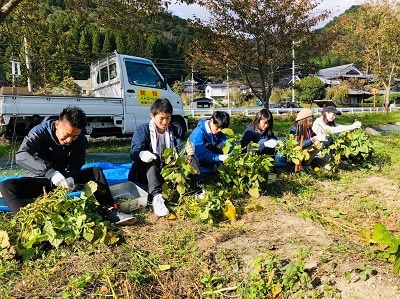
<point x="114" y="173"/>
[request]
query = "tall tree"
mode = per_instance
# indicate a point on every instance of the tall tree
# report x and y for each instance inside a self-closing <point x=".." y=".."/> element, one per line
<point x="6" y="7"/>
<point x="63" y="36"/>
<point x="370" y="36"/>
<point x="310" y="89"/>
<point x="253" y="39"/>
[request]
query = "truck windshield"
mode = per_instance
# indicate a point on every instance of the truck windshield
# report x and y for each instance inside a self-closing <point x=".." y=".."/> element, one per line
<point x="143" y="74"/>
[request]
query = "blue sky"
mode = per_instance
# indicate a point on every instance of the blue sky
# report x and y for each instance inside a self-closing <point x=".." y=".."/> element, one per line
<point x="186" y="12"/>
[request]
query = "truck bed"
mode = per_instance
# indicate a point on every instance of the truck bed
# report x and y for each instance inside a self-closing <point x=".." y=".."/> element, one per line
<point x="28" y="105"/>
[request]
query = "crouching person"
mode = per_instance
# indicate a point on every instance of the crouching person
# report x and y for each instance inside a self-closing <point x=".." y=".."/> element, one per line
<point x="208" y="140"/>
<point x="307" y="139"/>
<point x="148" y="143"/>
<point x="260" y="131"/>
<point x="53" y="154"/>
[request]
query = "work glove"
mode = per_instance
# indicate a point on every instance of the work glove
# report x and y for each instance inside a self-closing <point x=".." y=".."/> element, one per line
<point x="189" y="148"/>
<point x="320" y="138"/>
<point x="316" y="143"/>
<point x="356" y="125"/>
<point x="71" y="184"/>
<point x="59" y="180"/>
<point x="272" y="143"/>
<point x="147" y="156"/>
<point x="222" y="158"/>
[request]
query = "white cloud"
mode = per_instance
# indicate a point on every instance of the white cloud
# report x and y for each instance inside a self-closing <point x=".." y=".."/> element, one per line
<point x="185" y="11"/>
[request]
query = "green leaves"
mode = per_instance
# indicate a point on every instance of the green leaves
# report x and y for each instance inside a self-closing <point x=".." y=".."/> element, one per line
<point x="290" y="149"/>
<point x="389" y="244"/>
<point x="57" y="219"/>
<point x="176" y="173"/>
<point x="354" y="146"/>
<point x="240" y="174"/>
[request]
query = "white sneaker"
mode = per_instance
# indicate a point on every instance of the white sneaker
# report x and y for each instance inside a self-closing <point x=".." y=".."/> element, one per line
<point x="328" y="167"/>
<point x="159" y="207"/>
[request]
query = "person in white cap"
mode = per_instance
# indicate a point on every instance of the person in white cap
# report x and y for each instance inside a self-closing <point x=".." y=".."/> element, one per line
<point x="302" y="129"/>
<point x="326" y="124"/>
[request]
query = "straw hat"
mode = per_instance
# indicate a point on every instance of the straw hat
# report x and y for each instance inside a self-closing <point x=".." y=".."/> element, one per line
<point x="304" y="113"/>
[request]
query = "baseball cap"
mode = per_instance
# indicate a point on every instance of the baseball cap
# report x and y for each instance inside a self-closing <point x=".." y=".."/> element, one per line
<point x="332" y="109"/>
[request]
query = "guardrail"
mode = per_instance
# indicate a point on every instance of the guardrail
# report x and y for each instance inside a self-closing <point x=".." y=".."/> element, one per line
<point x="253" y="111"/>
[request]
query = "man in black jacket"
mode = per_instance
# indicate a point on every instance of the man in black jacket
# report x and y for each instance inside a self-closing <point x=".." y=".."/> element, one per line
<point x="53" y="154"/>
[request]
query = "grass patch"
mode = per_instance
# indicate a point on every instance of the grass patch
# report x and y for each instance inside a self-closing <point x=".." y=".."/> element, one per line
<point x="160" y="258"/>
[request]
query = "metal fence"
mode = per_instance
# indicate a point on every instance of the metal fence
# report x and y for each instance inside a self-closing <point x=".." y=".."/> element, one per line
<point x="253" y="111"/>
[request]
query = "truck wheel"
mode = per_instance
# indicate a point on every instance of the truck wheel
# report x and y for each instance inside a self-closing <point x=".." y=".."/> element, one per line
<point x="180" y="126"/>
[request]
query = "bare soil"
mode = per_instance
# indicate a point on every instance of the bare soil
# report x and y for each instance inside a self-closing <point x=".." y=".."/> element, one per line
<point x="338" y="246"/>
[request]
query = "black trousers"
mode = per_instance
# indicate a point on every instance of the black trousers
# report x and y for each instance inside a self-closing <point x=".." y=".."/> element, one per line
<point x="17" y="192"/>
<point x="148" y="174"/>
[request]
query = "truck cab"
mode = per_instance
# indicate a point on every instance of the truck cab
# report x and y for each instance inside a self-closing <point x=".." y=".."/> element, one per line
<point x="138" y="83"/>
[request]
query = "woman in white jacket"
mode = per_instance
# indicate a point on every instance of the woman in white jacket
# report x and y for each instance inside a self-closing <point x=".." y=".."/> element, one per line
<point x="326" y="124"/>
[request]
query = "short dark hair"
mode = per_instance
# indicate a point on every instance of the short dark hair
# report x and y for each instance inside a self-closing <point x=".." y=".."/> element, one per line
<point x="75" y="116"/>
<point x="161" y="106"/>
<point x="220" y="119"/>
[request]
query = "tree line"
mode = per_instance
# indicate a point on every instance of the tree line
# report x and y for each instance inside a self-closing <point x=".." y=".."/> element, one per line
<point x="246" y="41"/>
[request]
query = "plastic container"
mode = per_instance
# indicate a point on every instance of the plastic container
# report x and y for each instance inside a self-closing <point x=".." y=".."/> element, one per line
<point x="129" y="196"/>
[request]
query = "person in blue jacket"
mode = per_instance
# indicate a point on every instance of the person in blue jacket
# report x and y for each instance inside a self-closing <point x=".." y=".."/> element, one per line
<point x="147" y="146"/>
<point x="208" y="140"/>
<point x="260" y="131"/>
<point x="52" y="154"/>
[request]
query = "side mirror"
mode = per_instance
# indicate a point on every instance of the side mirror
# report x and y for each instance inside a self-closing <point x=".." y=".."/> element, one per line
<point x="161" y="84"/>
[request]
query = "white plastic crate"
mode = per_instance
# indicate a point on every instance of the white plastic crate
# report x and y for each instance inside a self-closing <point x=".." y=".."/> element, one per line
<point x="133" y="196"/>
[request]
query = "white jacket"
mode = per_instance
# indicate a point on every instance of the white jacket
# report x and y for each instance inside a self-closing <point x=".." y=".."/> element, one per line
<point x="321" y="129"/>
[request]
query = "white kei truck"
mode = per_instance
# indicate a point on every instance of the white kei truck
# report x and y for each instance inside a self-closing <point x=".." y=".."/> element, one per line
<point x="122" y="89"/>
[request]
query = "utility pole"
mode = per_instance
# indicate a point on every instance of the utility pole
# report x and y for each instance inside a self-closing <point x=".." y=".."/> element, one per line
<point x="28" y="64"/>
<point x="293" y="72"/>
<point x="227" y="84"/>
<point x="293" y="69"/>
<point x="192" y="95"/>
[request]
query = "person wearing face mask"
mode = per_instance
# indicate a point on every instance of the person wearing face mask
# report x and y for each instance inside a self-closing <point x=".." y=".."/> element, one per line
<point x="52" y="155"/>
<point x="260" y="131"/>
<point x="326" y="124"/>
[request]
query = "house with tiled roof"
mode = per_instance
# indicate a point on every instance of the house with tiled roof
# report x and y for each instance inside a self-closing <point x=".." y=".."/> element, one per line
<point x="336" y="75"/>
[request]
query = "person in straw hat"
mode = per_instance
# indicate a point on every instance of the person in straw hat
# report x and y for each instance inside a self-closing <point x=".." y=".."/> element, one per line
<point x="302" y="129"/>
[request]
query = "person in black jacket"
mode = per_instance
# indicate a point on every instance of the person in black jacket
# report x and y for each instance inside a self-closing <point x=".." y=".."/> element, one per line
<point x="148" y="144"/>
<point x="260" y="131"/>
<point x="52" y="154"/>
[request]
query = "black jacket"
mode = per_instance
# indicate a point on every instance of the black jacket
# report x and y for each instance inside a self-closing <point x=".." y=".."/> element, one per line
<point x="41" y="154"/>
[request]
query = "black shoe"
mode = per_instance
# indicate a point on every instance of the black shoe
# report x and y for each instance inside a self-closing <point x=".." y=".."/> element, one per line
<point x="115" y="216"/>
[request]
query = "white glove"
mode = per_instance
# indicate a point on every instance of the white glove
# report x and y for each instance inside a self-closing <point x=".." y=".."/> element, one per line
<point x="147" y="156"/>
<point x="222" y="158"/>
<point x="189" y="148"/>
<point x="319" y="137"/>
<point x="71" y="184"/>
<point x="59" y="180"/>
<point x="356" y="125"/>
<point x="272" y="143"/>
